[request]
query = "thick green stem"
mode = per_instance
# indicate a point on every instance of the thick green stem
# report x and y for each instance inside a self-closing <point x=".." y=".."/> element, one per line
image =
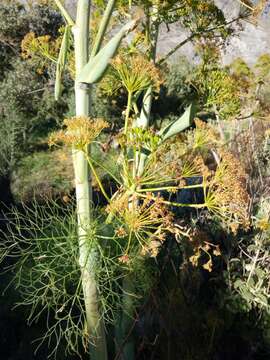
<point x="127" y="322"/>
<point x="87" y="255"/>
<point x="144" y="119"/>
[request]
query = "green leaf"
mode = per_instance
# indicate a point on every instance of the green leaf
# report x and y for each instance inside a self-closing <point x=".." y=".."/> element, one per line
<point x="179" y="125"/>
<point x="61" y="62"/>
<point x="93" y="71"/>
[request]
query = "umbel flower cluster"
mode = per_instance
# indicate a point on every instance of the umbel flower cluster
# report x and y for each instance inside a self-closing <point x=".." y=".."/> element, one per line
<point x="145" y="222"/>
<point x="38" y="45"/>
<point x="136" y="72"/>
<point x="227" y="192"/>
<point x="133" y="72"/>
<point x="79" y="131"/>
<point x="44" y="50"/>
<point x="141" y="211"/>
<point x="200" y="156"/>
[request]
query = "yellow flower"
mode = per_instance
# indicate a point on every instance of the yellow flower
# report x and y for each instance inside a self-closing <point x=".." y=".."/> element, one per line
<point x="263" y="224"/>
<point x="120" y="232"/>
<point x="79" y="131"/>
<point x="136" y="73"/>
<point x="204" y="135"/>
<point x="147" y="222"/>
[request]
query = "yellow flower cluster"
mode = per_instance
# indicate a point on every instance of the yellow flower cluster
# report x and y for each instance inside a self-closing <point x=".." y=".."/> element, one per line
<point x="204" y="135"/>
<point x="41" y="45"/>
<point x="146" y="221"/>
<point x="200" y="154"/>
<point x="44" y="49"/>
<point x="79" y="132"/>
<point x="139" y="138"/>
<point x="136" y="72"/>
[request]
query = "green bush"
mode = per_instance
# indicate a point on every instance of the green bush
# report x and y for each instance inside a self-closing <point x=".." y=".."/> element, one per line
<point x="28" y="110"/>
<point x="42" y="175"/>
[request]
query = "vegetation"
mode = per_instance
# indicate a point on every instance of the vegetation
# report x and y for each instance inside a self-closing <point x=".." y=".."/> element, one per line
<point x="139" y="225"/>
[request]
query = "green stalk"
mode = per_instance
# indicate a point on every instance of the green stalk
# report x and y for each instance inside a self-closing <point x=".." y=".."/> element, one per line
<point x="92" y="168"/>
<point x="64" y="12"/>
<point x="124" y="336"/>
<point x="125" y="344"/>
<point x="144" y="119"/>
<point x="107" y="170"/>
<point x="103" y="27"/>
<point x="127" y="321"/>
<point x="170" y="188"/>
<point x="95" y="326"/>
<point x="172" y="203"/>
<point x="128" y="111"/>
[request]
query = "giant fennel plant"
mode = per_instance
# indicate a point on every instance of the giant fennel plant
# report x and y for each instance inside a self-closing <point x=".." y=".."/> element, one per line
<point x="95" y="270"/>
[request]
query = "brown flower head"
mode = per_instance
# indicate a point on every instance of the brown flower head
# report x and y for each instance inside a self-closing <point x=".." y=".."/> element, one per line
<point x="120" y="232"/>
<point x="202" y="248"/>
<point x="45" y="46"/>
<point x="124" y="259"/>
<point x="227" y="195"/>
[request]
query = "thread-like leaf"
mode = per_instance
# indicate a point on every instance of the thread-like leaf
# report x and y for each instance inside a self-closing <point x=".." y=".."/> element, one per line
<point x="179" y="125"/>
<point x="61" y="62"/>
<point x="93" y="71"/>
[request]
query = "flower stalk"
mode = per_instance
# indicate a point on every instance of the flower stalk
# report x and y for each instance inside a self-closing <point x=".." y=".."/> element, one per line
<point x="128" y="347"/>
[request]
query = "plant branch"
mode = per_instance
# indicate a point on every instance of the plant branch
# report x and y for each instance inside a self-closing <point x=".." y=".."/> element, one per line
<point x="103" y="27"/>
<point x="107" y="171"/>
<point x="171" y="203"/>
<point x="170" y="188"/>
<point x="97" y="177"/>
<point x="244" y="3"/>
<point x="192" y="36"/>
<point x="64" y="12"/>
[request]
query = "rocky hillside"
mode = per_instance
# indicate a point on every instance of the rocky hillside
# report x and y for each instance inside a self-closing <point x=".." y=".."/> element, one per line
<point x="253" y="40"/>
<point x="249" y="44"/>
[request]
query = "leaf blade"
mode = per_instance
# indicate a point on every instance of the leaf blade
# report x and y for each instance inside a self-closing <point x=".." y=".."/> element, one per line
<point x="61" y="63"/>
<point x="179" y="125"/>
<point x="93" y="71"/>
